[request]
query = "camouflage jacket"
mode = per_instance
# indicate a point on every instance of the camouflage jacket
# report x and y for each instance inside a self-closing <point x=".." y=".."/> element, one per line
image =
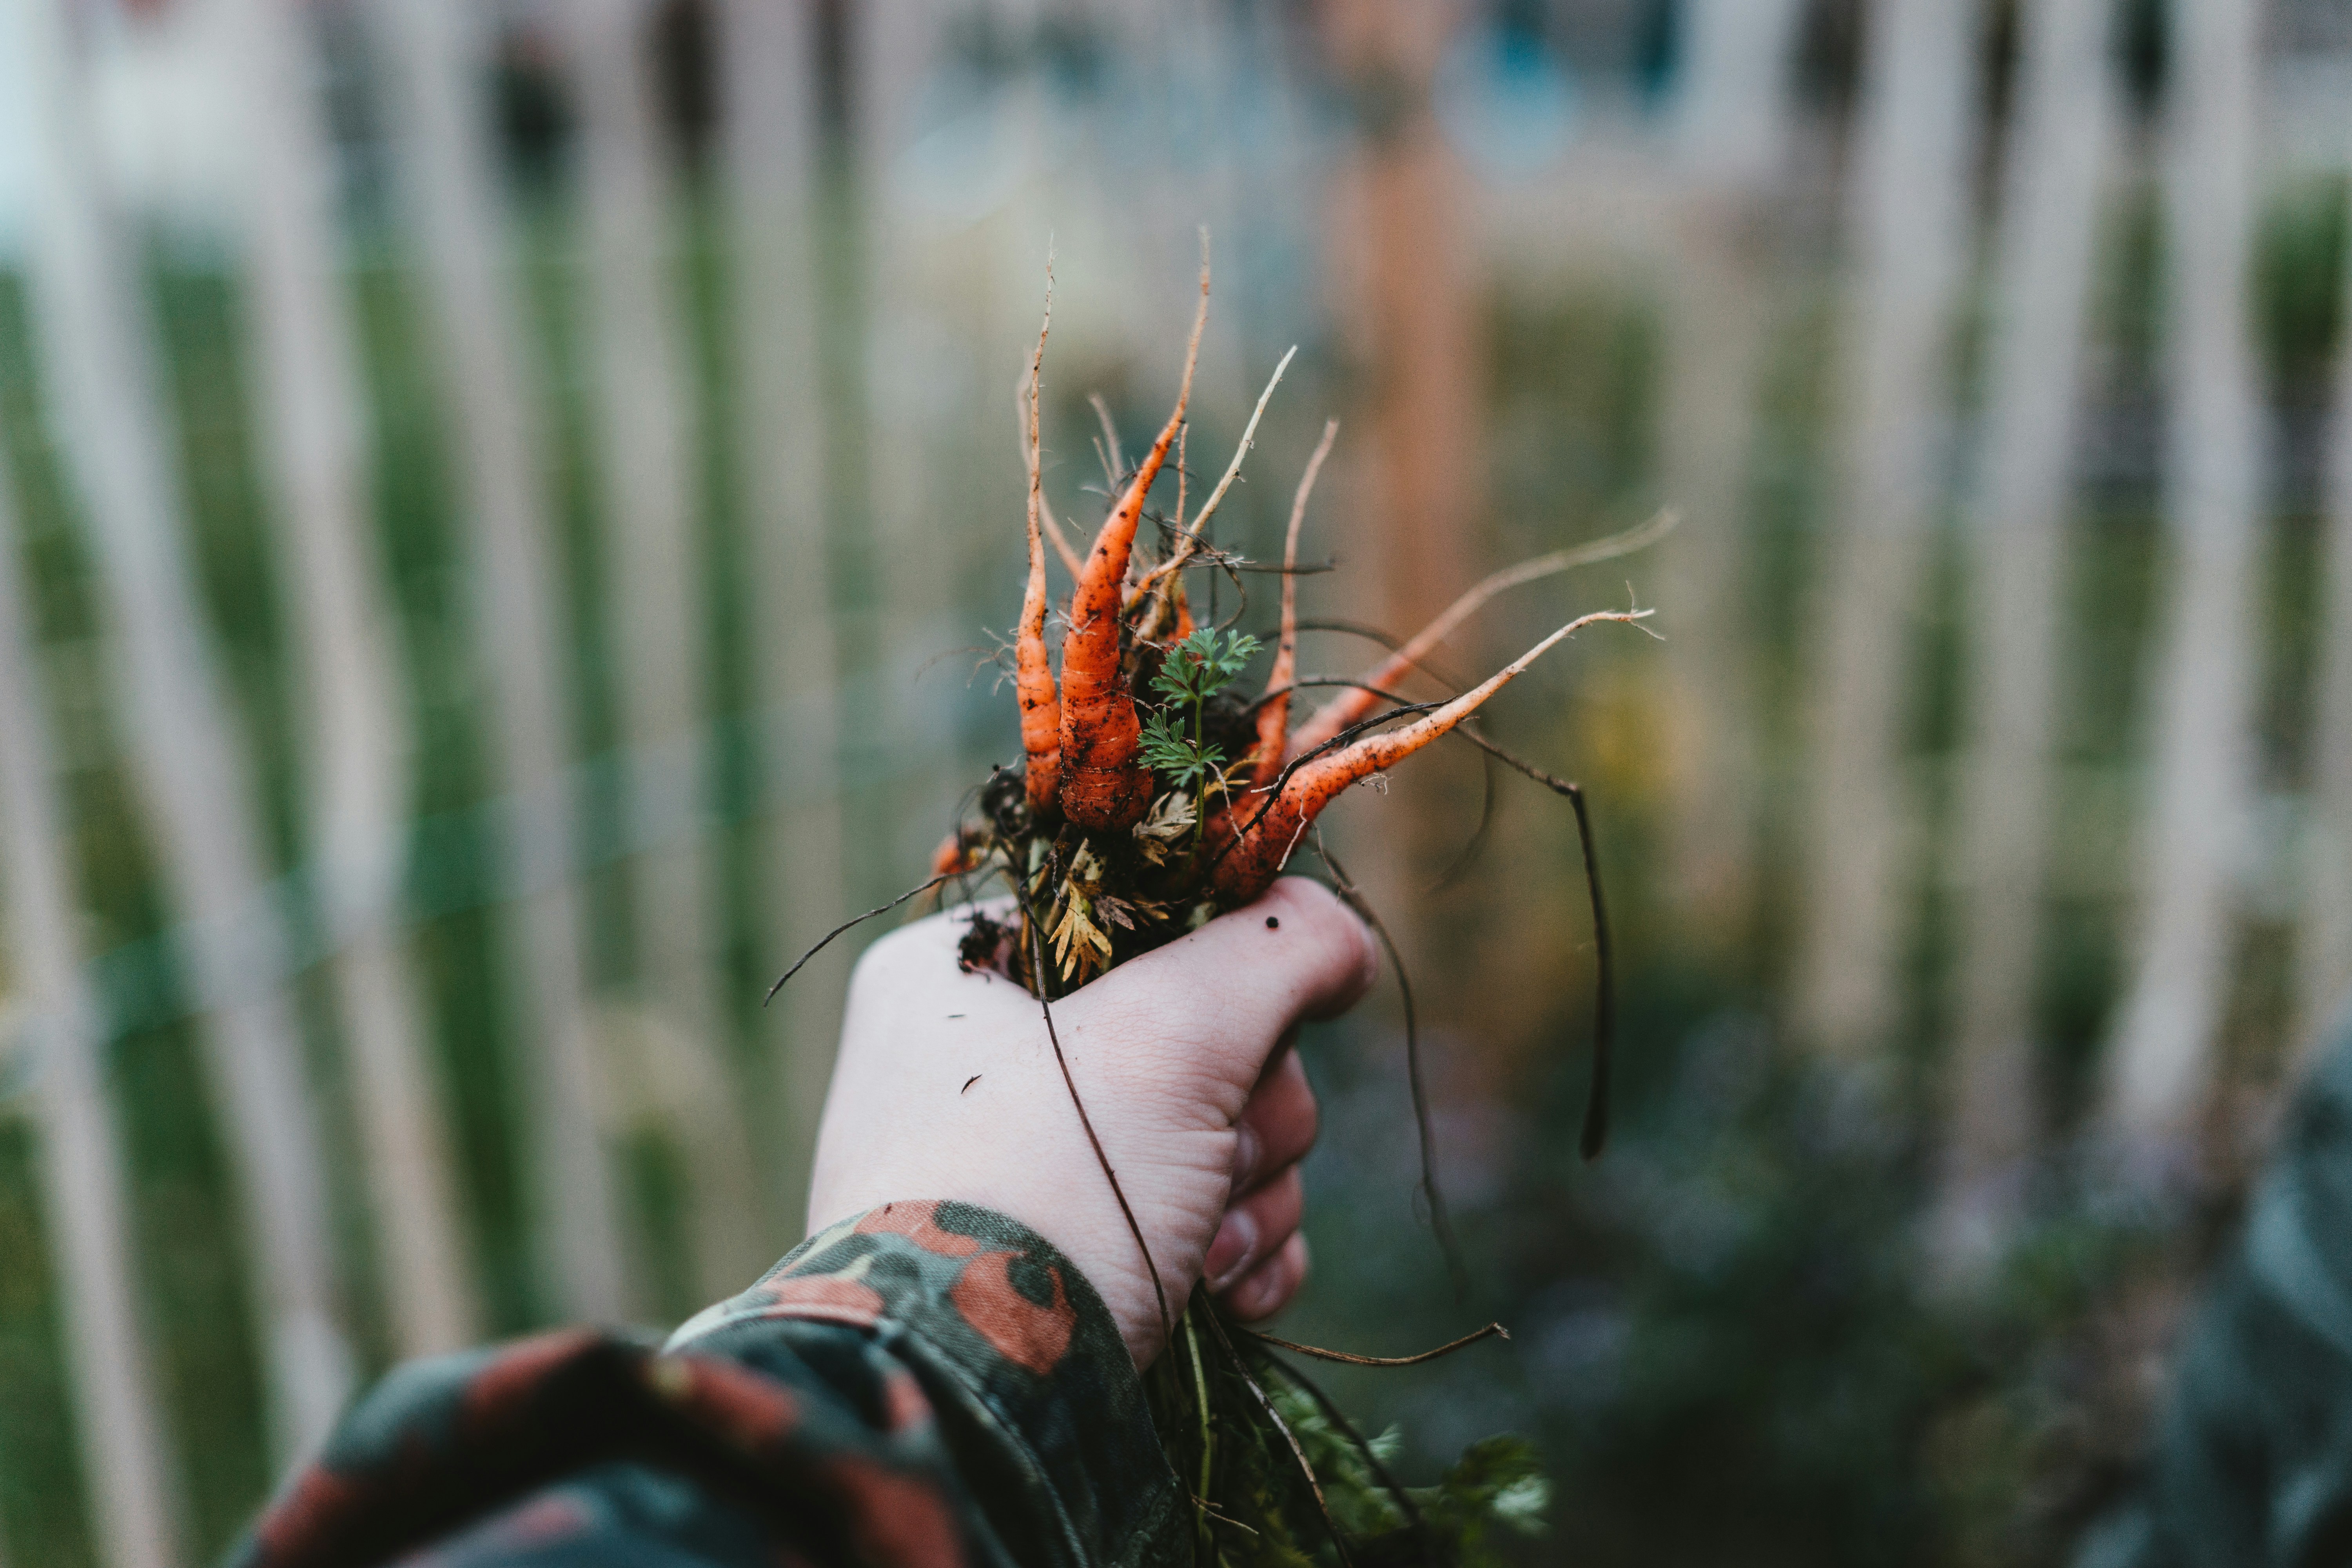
<point x="927" y="1384"/>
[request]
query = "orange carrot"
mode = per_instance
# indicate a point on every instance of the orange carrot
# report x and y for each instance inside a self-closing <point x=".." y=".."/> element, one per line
<point x="1274" y="712"/>
<point x="1353" y="707"/>
<point x="957" y="852"/>
<point x="1253" y="838"/>
<point x="1041" y="709"/>
<point x="1103" y="783"/>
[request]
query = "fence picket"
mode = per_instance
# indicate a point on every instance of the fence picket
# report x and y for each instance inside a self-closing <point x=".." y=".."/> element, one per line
<point x="2161" y="1055"/>
<point x="185" y="750"/>
<point x="437" y="54"/>
<point x="118" y="1421"/>
<point x="769" y="112"/>
<point x="1734" y="106"/>
<point x="649" y="418"/>
<point x="1907" y="238"/>
<point x="909" y="330"/>
<point x="1731" y="134"/>
<point x="352" y="700"/>
<point x="2016" y="535"/>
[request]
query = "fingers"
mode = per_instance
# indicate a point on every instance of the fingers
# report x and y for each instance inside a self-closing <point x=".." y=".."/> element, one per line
<point x="1277" y="1127"/>
<point x="1267" y="1289"/>
<point x="1297" y="954"/>
<point x="1255" y="1229"/>
<point x="1275" y="1131"/>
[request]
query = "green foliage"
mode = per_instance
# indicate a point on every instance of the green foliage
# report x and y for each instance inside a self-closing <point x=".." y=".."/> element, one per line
<point x="2298" y="295"/>
<point x="1176" y="756"/>
<point x="1497" y="1489"/>
<point x="1497" y="1481"/>
<point x="41" y="1500"/>
<point x="1204" y="665"/>
<point x="1254" y="1505"/>
<point x="1195" y="671"/>
<point x="1766" y="1323"/>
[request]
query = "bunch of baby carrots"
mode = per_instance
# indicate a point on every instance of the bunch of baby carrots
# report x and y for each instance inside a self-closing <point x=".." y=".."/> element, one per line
<point x="1151" y="797"/>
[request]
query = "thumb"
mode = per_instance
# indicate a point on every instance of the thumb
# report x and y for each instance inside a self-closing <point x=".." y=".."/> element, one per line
<point x="1297" y="954"/>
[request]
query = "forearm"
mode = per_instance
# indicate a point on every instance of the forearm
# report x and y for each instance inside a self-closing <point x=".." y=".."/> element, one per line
<point x="926" y="1384"/>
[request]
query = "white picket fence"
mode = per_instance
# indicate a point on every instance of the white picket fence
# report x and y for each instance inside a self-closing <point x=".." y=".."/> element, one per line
<point x="1227" y="117"/>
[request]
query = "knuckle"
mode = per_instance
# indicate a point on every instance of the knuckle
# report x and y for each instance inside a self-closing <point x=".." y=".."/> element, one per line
<point x="1290" y="1117"/>
<point x="1283" y="1202"/>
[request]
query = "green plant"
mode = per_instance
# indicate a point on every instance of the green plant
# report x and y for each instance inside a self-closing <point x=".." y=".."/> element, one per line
<point x="1175" y="744"/>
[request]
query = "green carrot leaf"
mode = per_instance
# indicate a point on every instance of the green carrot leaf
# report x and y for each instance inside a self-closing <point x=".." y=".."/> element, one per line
<point x="1204" y="665"/>
<point x="1165" y="749"/>
<point x="1170" y="752"/>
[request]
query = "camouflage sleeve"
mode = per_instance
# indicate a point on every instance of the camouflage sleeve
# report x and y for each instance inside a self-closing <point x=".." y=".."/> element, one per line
<point x="927" y="1384"/>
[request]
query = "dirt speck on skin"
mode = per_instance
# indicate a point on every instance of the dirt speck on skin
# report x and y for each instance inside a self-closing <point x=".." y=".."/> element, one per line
<point x="1272" y="923"/>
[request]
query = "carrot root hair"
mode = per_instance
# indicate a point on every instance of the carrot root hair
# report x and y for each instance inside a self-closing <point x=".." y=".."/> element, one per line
<point x="1251" y="852"/>
<point x="1054" y="534"/>
<point x="1353" y="707"/>
<point x="1188" y="540"/>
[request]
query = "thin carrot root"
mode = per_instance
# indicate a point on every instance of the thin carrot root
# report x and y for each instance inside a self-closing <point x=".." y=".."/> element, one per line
<point x="1274" y="711"/>
<point x="1252" y="851"/>
<point x="1353" y="707"/>
<point x="1104" y="784"/>
<point x="1041" y="706"/>
<point x="1054" y="534"/>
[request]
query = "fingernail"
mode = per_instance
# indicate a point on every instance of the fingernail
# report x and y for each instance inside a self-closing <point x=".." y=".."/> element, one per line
<point x="1229" y="1254"/>
<point x="1245" y="1151"/>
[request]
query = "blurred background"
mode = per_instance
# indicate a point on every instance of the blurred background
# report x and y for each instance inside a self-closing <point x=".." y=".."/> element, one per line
<point x="503" y="510"/>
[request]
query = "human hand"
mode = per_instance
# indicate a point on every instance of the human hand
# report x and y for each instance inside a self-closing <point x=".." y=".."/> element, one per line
<point x="946" y="1086"/>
